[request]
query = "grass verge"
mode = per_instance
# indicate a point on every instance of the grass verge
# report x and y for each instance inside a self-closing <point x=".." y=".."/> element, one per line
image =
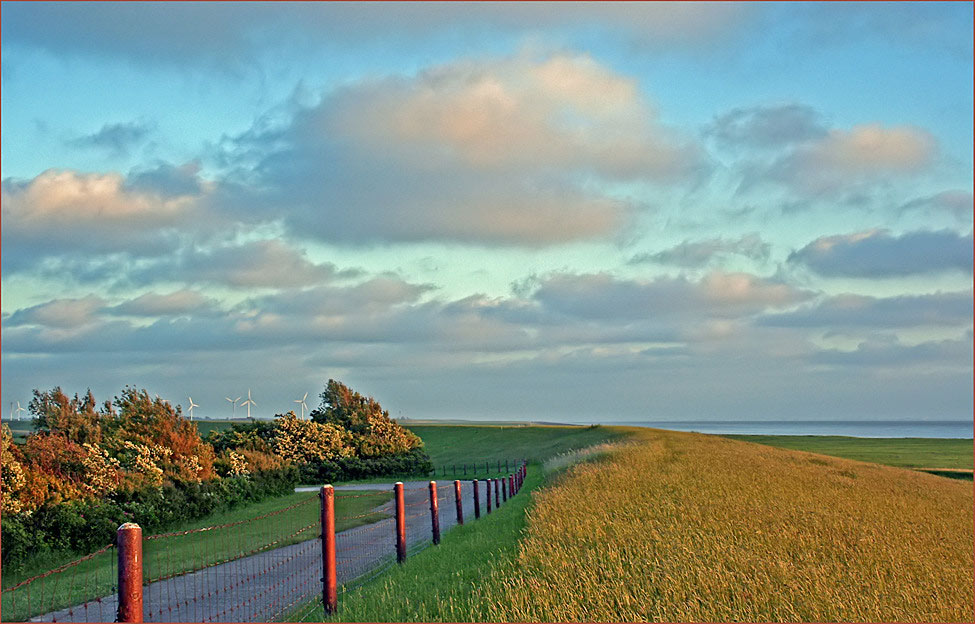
<point x="456" y="445"/>
<point x="170" y="556"/>
<point x="440" y="584"/>
<point x="917" y="453"/>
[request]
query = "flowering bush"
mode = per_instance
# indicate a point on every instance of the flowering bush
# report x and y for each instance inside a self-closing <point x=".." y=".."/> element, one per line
<point x="306" y="442"/>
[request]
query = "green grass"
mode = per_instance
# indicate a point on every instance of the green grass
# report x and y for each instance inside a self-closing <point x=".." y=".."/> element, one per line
<point x="174" y="555"/>
<point x="439" y="584"/>
<point x="450" y="445"/>
<point x="901" y="452"/>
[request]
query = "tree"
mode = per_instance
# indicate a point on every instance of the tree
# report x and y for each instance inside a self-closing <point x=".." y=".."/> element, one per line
<point x="74" y="418"/>
<point x="374" y="433"/>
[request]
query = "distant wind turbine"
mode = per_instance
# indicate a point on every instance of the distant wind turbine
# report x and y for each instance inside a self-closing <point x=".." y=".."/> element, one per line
<point x="301" y="402"/>
<point x="234" y="401"/>
<point x="249" y="402"/>
<point x="18" y="410"/>
<point x="192" y="405"/>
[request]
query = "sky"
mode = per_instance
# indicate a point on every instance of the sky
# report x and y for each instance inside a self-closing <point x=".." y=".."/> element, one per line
<point x="574" y="213"/>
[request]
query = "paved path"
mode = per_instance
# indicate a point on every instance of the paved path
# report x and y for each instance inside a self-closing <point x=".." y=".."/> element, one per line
<point x="268" y="585"/>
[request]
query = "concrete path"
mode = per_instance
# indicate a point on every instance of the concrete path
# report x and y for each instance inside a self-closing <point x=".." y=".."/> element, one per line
<point x="268" y="585"/>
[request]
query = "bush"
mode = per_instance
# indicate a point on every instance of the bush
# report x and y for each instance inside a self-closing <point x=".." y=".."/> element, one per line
<point x="82" y="526"/>
<point x="412" y="463"/>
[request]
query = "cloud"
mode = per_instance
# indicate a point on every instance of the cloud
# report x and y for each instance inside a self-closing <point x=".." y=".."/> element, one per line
<point x="767" y="126"/>
<point x="694" y="254"/>
<point x="859" y="311"/>
<point x="117" y="138"/>
<point x="232" y="37"/>
<point x="167" y="180"/>
<point x="889" y="352"/>
<point x="957" y="203"/>
<point x="717" y="295"/>
<point x="59" y="313"/>
<point x="511" y="151"/>
<point x="269" y="263"/>
<point x="846" y="157"/>
<point x="153" y="304"/>
<point x="65" y="212"/>
<point x="878" y="254"/>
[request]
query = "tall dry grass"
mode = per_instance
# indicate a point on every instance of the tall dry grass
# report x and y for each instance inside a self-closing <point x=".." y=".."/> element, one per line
<point x="686" y="527"/>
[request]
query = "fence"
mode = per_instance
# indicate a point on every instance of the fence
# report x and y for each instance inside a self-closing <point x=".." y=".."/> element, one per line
<point x="261" y="568"/>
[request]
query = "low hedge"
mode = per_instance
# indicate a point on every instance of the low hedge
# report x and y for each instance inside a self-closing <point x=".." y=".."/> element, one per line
<point x="84" y="526"/>
<point x="412" y="463"/>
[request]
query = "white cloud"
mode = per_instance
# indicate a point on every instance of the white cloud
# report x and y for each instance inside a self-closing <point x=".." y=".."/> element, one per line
<point x="847" y="157"/>
<point x="700" y="253"/>
<point x="877" y="253"/>
<point x="519" y="150"/>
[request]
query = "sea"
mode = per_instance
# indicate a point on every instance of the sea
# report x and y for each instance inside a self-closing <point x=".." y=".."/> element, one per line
<point x="961" y="429"/>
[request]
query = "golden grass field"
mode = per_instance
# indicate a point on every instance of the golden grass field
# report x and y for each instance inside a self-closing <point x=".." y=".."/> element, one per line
<point x="688" y="527"/>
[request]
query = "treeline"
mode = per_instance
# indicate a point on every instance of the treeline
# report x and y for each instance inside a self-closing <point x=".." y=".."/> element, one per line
<point x="86" y="469"/>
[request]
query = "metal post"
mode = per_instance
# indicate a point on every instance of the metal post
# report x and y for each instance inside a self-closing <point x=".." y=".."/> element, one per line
<point x="488" y="483"/>
<point x="330" y="596"/>
<point x="459" y="502"/>
<point x="400" y="523"/>
<point x="477" y="500"/>
<point x="434" y="513"/>
<point x="128" y="538"/>
<point x="504" y="489"/>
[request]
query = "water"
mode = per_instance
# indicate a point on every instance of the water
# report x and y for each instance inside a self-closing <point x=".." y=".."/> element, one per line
<point x="858" y="429"/>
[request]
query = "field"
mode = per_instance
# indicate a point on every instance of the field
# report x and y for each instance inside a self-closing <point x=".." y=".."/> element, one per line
<point x="903" y="452"/>
<point x="450" y="445"/>
<point x="688" y="527"/>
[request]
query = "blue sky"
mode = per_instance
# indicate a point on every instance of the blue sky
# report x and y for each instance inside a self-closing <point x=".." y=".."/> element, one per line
<point x="578" y="212"/>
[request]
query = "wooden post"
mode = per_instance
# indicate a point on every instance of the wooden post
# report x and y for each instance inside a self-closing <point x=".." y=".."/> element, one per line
<point x="477" y="499"/>
<point x="511" y="483"/>
<point x="400" y="522"/>
<point x="504" y="489"/>
<point x="434" y="513"/>
<point x="330" y="596"/>
<point x="488" y="483"/>
<point x="459" y="502"/>
<point x="497" y="490"/>
<point x="128" y="539"/>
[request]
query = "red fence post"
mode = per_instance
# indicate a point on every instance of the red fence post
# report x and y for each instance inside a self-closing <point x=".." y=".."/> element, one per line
<point x="434" y="513"/>
<point x="504" y="489"/>
<point x="497" y="488"/>
<point x="128" y="539"/>
<point x="477" y="499"/>
<point x="459" y="502"/>
<point x="487" y="482"/>
<point x="400" y="523"/>
<point x="330" y="596"/>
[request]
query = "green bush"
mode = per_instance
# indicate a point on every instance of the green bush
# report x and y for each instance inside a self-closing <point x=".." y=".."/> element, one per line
<point x="412" y="463"/>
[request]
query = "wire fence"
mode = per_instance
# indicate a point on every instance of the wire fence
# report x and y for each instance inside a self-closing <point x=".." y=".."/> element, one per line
<point x="258" y="569"/>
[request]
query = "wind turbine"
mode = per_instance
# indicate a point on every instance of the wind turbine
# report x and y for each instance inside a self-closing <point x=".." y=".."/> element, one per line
<point x="301" y="402"/>
<point x="234" y="402"/>
<point x="249" y="402"/>
<point x="18" y="410"/>
<point x="192" y="405"/>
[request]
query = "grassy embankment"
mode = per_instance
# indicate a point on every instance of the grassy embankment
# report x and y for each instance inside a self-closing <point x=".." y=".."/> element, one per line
<point x="163" y="557"/>
<point x="945" y="457"/>
<point x="687" y="527"/>
<point x="456" y="445"/>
